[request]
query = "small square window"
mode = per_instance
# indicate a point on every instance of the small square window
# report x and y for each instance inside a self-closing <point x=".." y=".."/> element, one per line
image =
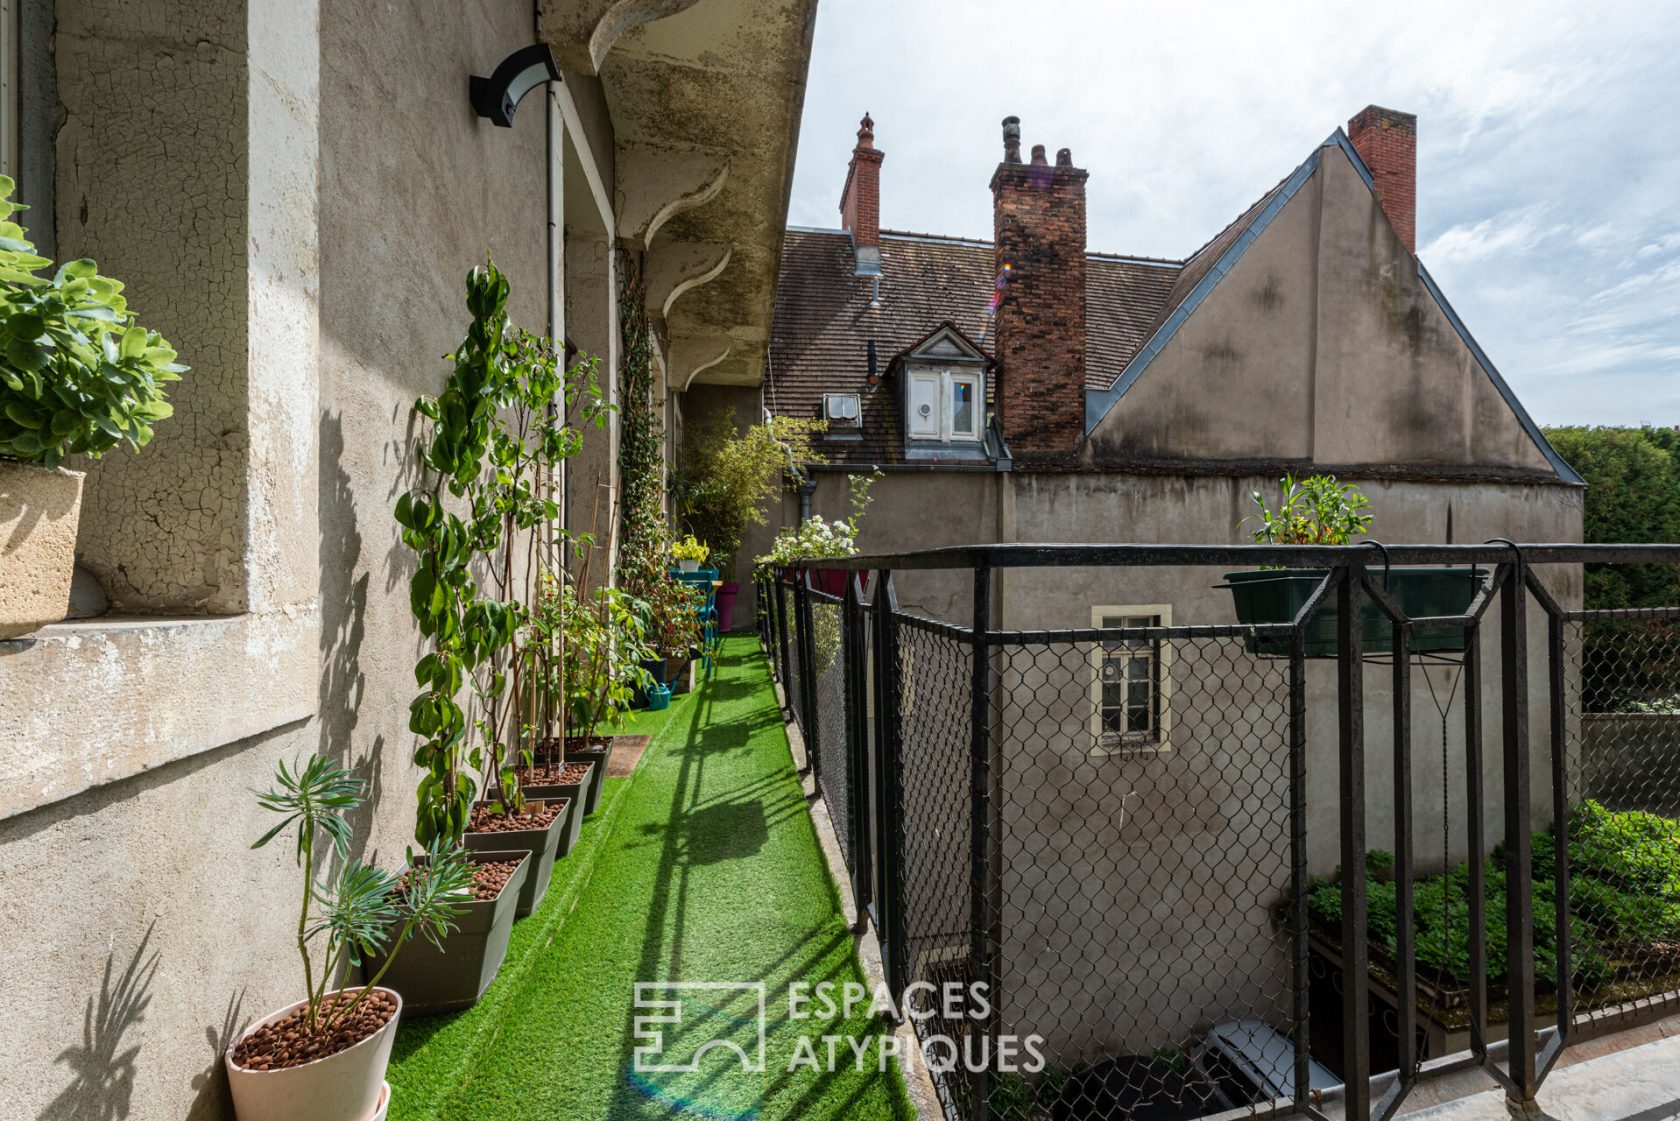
<point x="1131" y="687"/>
<point x="842" y="410"/>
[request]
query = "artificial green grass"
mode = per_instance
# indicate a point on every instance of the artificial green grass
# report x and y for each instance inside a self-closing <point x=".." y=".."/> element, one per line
<point x="708" y="870"/>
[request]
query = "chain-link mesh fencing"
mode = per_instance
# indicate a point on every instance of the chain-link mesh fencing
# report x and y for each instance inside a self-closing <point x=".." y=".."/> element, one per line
<point x="830" y="751"/>
<point x="1623" y="721"/>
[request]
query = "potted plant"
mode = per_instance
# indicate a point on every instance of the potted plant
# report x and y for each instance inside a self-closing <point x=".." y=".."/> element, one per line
<point x="690" y="554"/>
<point x="324" y="1057"/>
<point x="726" y="480"/>
<point x="78" y="376"/>
<point x="815" y="539"/>
<point x="1321" y="511"/>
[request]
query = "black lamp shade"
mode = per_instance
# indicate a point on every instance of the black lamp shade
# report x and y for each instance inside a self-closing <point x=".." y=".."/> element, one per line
<point x="497" y="96"/>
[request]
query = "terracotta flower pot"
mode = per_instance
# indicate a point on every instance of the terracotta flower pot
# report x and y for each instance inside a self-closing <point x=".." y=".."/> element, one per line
<point x="348" y="1086"/>
<point x="40" y="509"/>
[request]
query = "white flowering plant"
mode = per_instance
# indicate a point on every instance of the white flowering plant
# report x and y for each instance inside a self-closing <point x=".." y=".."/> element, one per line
<point x="817" y="538"/>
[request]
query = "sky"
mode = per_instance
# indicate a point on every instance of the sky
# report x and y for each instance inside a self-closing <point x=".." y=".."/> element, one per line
<point x="1548" y="147"/>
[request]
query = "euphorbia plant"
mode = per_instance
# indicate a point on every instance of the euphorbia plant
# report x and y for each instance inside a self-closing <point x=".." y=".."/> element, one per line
<point x="364" y="908"/>
<point x="77" y="374"/>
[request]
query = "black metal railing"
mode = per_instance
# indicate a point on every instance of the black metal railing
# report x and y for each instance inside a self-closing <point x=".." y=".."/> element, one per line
<point x="1261" y="865"/>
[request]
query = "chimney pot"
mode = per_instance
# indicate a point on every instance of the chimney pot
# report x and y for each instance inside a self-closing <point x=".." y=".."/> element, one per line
<point x="1012" y="140"/>
<point x="860" y="200"/>
<point x="1387" y="141"/>
<point x="1038" y="321"/>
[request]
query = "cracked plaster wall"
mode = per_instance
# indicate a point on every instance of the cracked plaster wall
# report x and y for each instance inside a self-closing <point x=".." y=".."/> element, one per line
<point x="152" y="184"/>
<point x="136" y="928"/>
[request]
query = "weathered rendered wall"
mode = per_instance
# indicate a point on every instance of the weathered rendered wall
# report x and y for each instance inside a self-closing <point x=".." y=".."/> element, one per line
<point x="1186" y="851"/>
<point x="137" y="931"/>
<point x="1320" y="344"/>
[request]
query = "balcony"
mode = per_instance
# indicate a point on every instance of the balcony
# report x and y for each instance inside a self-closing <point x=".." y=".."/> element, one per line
<point x="1135" y="835"/>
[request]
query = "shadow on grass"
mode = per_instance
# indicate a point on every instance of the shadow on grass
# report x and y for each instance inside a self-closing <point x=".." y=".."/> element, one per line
<point x="734" y="1053"/>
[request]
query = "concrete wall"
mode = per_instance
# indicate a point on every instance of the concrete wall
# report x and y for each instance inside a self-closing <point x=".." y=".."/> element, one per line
<point x="1321" y="344"/>
<point x="137" y="931"/>
<point x="1183" y="854"/>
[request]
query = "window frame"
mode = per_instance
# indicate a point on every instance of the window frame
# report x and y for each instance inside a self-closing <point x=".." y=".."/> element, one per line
<point x="1159" y="740"/>
<point x="945" y="380"/>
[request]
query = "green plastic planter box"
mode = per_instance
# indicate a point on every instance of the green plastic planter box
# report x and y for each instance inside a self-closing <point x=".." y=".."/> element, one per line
<point x="1277" y="595"/>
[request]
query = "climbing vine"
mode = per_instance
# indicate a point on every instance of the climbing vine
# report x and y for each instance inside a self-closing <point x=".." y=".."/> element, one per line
<point x="508" y="413"/>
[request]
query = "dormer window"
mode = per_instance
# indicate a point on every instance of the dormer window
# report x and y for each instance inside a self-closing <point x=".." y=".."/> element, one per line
<point x="945" y="404"/>
<point x="841" y="411"/>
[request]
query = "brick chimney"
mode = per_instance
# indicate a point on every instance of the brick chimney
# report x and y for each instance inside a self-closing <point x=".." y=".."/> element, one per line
<point x="1387" y="141"/>
<point x="1038" y="331"/>
<point x="860" y="202"/>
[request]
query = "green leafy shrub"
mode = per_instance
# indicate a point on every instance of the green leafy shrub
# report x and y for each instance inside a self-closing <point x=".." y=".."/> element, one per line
<point x="78" y="375"/>
<point x="1313" y="511"/>
<point x="1624" y="895"/>
<point x="727" y="478"/>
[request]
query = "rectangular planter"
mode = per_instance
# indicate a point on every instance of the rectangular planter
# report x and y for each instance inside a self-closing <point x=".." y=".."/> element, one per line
<point x="600" y="754"/>
<point x="1277" y="595"/>
<point x="543" y="845"/>
<point x="575" y="793"/>
<point x="433" y="980"/>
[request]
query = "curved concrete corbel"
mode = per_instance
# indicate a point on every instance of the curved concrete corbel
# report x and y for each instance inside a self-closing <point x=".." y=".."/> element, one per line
<point x="585" y="30"/>
<point x="673" y="267"/>
<point x="656" y="183"/>
<point x="690" y="355"/>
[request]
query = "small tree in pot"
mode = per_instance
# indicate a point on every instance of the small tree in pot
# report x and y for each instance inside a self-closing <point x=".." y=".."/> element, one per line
<point x="1319" y="510"/>
<point x="726" y="481"/>
<point x="324" y="1057"/>
<point x="78" y="376"/>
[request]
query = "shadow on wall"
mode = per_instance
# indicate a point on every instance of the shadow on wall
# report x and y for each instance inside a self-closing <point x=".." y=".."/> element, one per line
<point x="102" y="1069"/>
<point x="344" y="601"/>
<point x="212" y="1100"/>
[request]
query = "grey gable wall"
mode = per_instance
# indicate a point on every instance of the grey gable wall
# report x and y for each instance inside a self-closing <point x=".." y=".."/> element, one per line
<point x="1321" y="344"/>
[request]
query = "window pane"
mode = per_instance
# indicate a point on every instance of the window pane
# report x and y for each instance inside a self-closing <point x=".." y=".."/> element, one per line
<point x="962" y="407"/>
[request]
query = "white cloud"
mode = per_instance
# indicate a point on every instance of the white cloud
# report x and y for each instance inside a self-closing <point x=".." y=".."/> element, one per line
<point x="1547" y="157"/>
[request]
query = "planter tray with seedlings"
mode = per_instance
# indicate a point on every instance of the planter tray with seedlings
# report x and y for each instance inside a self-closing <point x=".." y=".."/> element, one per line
<point x="1624" y="903"/>
<point x="1320" y="511"/>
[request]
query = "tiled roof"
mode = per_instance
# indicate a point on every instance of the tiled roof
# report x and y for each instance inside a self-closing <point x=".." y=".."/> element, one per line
<point x="824" y="321"/>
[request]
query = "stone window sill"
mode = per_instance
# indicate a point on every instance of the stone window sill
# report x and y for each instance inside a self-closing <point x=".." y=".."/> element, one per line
<point x="96" y="701"/>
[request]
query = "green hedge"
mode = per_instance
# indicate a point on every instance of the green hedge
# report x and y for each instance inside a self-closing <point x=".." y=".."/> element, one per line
<point x="1633" y="495"/>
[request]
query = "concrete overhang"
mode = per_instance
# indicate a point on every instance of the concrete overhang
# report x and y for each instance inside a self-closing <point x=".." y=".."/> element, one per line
<point x="705" y="99"/>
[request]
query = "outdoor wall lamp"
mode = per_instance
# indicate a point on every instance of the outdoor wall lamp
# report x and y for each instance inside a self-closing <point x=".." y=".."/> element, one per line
<point x="497" y="96"/>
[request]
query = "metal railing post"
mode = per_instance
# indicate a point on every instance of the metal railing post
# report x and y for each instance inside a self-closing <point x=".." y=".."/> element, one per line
<point x="889" y="783"/>
<point x="1519" y="865"/>
<point x="803" y="610"/>
<point x="981" y="817"/>
<point x="1350" y="728"/>
<point x="780" y="585"/>
<point x="857" y="745"/>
